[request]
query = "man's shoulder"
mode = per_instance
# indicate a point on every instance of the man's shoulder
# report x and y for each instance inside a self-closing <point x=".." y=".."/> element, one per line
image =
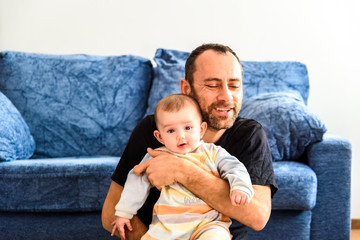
<point x="245" y="124"/>
<point x="148" y="119"/>
<point x="147" y="123"/>
<point x="242" y="131"/>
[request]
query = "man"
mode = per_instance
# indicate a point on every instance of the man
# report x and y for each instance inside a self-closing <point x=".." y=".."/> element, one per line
<point x="213" y="76"/>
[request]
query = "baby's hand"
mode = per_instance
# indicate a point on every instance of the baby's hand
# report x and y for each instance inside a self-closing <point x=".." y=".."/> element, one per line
<point x="119" y="224"/>
<point x="239" y="197"/>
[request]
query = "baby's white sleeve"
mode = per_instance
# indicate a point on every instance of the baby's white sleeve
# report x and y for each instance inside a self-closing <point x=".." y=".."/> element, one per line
<point x="234" y="171"/>
<point x="134" y="195"/>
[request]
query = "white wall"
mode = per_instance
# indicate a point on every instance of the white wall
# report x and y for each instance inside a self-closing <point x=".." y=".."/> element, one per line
<point x="323" y="34"/>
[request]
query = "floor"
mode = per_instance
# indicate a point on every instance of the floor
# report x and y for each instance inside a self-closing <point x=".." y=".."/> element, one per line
<point x="355" y="234"/>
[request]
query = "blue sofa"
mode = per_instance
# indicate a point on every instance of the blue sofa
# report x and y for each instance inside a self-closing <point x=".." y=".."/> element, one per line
<point x="65" y="120"/>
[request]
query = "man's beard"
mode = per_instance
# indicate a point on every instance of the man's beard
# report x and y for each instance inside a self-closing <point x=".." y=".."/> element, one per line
<point x="220" y="122"/>
<point x="213" y="121"/>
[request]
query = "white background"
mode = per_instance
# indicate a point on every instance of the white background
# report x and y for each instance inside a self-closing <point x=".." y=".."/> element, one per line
<point x="323" y="34"/>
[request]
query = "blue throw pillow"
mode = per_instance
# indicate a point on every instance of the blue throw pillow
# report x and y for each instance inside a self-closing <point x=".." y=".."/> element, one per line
<point x="16" y="141"/>
<point x="288" y="123"/>
<point x="259" y="77"/>
<point x="169" y="70"/>
<point x="77" y="105"/>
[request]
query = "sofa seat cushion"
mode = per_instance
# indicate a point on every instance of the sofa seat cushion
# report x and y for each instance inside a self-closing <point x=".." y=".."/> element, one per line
<point x="297" y="186"/>
<point x="77" y="105"/>
<point x="59" y="184"/>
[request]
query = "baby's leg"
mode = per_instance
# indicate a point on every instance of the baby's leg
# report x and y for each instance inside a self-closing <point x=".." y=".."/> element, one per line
<point x="212" y="231"/>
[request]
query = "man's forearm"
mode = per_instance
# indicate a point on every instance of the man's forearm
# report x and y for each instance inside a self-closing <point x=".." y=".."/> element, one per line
<point x="139" y="229"/>
<point x="216" y="193"/>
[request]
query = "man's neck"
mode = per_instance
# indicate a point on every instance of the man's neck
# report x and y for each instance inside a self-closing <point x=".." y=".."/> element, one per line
<point x="212" y="135"/>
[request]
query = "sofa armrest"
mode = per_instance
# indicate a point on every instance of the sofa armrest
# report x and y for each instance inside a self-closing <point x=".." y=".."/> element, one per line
<point x="331" y="161"/>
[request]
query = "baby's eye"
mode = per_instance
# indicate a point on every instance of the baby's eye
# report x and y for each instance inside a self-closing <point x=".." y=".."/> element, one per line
<point x="187" y="127"/>
<point x="170" y="130"/>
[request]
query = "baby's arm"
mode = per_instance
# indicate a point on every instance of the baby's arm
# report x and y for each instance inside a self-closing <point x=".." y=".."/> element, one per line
<point x="230" y="168"/>
<point x="119" y="224"/>
<point x="134" y="195"/>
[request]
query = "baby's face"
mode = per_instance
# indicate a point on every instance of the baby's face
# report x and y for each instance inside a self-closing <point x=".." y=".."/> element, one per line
<point x="181" y="131"/>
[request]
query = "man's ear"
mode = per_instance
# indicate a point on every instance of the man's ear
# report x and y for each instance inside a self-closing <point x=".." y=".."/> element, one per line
<point x="185" y="86"/>
<point x="203" y="127"/>
<point x="158" y="136"/>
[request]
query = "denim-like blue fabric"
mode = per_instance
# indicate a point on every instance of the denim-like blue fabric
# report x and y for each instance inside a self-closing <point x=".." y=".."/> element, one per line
<point x="289" y="125"/>
<point x="61" y="198"/>
<point x="259" y="77"/>
<point x="267" y="77"/>
<point x="77" y="105"/>
<point x="297" y="184"/>
<point x="16" y="141"/>
<point x="331" y="161"/>
<point x="56" y="184"/>
<point x="54" y="226"/>
<point x="169" y="70"/>
<point x="286" y="225"/>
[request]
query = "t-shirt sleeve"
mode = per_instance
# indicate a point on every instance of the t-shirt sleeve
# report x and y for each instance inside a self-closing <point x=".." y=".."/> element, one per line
<point x="141" y="138"/>
<point x="247" y="141"/>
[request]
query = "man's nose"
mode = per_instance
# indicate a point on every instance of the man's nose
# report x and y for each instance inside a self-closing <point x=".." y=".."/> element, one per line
<point x="225" y="94"/>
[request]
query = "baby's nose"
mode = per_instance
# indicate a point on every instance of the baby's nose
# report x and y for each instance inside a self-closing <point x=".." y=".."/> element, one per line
<point x="180" y="136"/>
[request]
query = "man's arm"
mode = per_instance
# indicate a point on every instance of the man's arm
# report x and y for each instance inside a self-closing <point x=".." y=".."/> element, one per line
<point x="108" y="213"/>
<point x="215" y="192"/>
<point x="165" y="169"/>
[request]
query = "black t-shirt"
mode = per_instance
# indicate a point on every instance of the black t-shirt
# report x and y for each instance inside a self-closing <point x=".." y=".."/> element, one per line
<point x="246" y="140"/>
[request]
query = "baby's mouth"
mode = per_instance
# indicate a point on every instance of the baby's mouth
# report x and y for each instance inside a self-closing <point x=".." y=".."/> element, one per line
<point x="182" y="144"/>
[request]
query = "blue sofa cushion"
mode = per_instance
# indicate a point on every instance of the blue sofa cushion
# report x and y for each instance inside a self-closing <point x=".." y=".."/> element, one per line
<point x="267" y="77"/>
<point x="77" y="105"/>
<point x="56" y="184"/>
<point x="169" y="70"/>
<point x="289" y="125"/>
<point x="16" y="141"/>
<point x="297" y="184"/>
<point x="259" y="77"/>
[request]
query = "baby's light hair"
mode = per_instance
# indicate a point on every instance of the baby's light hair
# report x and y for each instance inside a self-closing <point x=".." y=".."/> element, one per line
<point x="175" y="102"/>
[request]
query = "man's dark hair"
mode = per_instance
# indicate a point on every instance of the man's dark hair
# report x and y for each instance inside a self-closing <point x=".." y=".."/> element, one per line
<point x="190" y="62"/>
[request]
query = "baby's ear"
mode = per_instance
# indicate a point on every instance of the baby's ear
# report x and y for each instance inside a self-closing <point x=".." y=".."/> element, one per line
<point x="158" y="136"/>
<point x="203" y="127"/>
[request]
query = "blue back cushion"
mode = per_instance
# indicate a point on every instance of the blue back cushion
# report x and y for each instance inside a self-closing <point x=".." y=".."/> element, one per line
<point x="267" y="77"/>
<point x="77" y="105"/>
<point x="259" y="77"/>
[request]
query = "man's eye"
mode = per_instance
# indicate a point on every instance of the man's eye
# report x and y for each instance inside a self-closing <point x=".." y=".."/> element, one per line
<point x="235" y="86"/>
<point x="211" y="86"/>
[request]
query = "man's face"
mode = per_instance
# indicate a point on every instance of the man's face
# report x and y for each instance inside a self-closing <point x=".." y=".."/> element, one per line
<point x="217" y="87"/>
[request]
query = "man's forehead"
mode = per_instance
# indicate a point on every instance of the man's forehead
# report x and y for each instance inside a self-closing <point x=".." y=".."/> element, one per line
<point x="213" y="58"/>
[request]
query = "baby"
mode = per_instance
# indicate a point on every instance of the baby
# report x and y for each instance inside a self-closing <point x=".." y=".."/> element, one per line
<point x="179" y="214"/>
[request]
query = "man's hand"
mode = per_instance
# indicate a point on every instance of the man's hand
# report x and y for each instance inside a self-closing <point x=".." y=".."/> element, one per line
<point x="161" y="169"/>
